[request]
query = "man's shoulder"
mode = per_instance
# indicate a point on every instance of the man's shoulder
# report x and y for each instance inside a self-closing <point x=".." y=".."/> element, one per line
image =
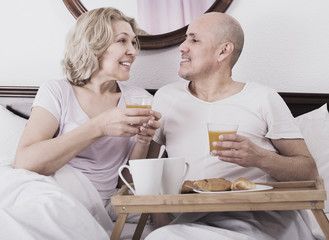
<point x="172" y="88"/>
<point x="260" y="89"/>
<point x="259" y="86"/>
<point x="167" y="96"/>
<point x="263" y="95"/>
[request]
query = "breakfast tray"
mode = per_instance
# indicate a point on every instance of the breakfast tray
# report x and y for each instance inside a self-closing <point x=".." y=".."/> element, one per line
<point x="294" y="195"/>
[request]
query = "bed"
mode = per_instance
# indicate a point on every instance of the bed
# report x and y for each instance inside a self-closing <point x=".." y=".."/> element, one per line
<point x="64" y="206"/>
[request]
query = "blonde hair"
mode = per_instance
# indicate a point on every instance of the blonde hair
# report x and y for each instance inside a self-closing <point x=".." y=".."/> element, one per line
<point x="87" y="41"/>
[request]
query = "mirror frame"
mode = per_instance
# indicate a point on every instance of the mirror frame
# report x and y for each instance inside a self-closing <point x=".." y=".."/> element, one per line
<point x="153" y="41"/>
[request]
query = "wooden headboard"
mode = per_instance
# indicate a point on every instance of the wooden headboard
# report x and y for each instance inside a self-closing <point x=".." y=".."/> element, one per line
<point x="298" y="103"/>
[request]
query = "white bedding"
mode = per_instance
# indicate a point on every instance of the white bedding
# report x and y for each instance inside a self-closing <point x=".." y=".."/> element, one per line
<point x="34" y="206"/>
<point x="240" y="226"/>
<point x="63" y="206"/>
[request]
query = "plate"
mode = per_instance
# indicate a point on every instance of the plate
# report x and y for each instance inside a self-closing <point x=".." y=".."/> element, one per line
<point x="259" y="187"/>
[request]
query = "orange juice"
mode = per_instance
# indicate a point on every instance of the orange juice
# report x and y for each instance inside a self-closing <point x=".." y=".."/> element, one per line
<point x="139" y="106"/>
<point x="213" y="137"/>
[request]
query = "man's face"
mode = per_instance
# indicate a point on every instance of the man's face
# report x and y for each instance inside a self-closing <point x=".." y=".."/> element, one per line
<point x="198" y="52"/>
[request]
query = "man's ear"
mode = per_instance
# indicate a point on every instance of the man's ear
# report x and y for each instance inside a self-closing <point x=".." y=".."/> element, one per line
<point x="225" y="50"/>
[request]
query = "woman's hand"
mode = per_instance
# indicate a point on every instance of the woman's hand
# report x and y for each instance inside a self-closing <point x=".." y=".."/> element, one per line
<point x="117" y="122"/>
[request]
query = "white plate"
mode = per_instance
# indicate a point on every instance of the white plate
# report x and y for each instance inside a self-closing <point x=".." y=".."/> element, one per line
<point x="259" y="187"/>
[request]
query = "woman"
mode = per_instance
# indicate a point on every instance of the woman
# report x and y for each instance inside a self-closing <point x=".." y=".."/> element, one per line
<point x="81" y="120"/>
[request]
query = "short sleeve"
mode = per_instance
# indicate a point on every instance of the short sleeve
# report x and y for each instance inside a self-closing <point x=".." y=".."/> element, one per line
<point x="281" y="123"/>
<point x="49" y="97"/>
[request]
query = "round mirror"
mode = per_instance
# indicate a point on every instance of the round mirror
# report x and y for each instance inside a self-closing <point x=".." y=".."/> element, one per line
<point x="153" y="41"/>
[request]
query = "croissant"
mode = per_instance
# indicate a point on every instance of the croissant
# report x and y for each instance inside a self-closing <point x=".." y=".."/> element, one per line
<point x="213" y="184"/>
<point x="185" y="189"/>
<point x="243" y="184"/>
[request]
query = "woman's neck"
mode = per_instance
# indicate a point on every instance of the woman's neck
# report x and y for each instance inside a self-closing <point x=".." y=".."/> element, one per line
<point x="102" y="87"/>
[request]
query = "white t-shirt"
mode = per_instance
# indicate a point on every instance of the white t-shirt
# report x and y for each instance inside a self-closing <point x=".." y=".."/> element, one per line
<point x="258" y="110"/>
<point x="101" y="160"/>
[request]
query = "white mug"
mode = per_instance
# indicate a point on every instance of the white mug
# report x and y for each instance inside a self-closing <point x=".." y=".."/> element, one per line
<point x="146" y="174"/>
<point x="173" y="174"/>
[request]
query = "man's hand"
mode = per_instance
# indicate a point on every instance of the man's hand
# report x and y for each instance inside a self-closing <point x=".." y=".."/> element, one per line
<point x="147" y="131"/>
<point x="242" y="151"/>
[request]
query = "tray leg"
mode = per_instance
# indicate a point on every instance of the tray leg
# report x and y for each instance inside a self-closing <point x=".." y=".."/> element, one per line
<point x="120" y="222"/>
<point x="322" y="220"/>
<point x="140" y="226"/>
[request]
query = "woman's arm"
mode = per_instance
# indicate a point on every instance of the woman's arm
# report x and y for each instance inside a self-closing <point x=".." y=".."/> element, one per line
<point x="38" y="151"/>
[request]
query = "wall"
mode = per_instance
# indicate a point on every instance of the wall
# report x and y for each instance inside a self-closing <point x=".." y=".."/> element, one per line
<point x="286" y="47"/>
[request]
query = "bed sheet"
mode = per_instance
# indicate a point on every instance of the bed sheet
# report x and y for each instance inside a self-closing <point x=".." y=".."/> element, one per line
<point x="34" y="206"/>
<point x="242" y="226"/>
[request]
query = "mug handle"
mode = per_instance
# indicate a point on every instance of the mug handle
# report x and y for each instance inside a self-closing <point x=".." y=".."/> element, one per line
<point x="187" y="169"/>
<point x="123" y="179"/>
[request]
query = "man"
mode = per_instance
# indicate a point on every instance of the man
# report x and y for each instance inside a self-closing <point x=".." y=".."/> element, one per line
<point x="267" y="147"/>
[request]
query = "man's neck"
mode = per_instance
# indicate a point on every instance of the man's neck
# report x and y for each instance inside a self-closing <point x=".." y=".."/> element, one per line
<point x="215" y="90"/>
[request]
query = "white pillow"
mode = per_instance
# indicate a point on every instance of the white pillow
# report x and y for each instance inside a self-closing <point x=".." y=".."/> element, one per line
<point x="314" y="126"/>
<point x="11" y="129"/>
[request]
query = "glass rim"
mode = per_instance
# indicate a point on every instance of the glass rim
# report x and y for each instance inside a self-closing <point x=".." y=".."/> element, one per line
<point x="138" y="97"/>
<point x="222" y="124"/>
<point x="222" y="127"/>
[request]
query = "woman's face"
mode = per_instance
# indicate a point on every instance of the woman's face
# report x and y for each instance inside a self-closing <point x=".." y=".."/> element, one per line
<point x="119" y="56"/>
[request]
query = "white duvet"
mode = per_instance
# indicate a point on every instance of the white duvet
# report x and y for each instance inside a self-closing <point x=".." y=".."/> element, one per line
<point x="241" y="226"/>
<point x="63" y="206"/>
<point x="67" y="206"/>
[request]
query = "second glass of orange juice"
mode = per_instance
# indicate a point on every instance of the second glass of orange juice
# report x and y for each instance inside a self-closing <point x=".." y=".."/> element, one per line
<point x="217" y="129"/>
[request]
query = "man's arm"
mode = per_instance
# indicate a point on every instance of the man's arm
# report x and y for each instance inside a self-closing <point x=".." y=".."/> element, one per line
<point x="294" y="161"/>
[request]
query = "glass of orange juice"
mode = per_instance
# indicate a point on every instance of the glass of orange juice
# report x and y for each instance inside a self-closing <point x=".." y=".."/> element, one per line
<point x="138" y="101"/>
<point x="217" y="129"/>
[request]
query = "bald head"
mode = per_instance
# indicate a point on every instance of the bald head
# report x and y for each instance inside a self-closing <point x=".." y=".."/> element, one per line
<point x="225" y="28"/>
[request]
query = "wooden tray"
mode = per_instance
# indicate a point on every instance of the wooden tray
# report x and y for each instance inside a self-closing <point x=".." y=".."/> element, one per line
<point x="284" y="196"/>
